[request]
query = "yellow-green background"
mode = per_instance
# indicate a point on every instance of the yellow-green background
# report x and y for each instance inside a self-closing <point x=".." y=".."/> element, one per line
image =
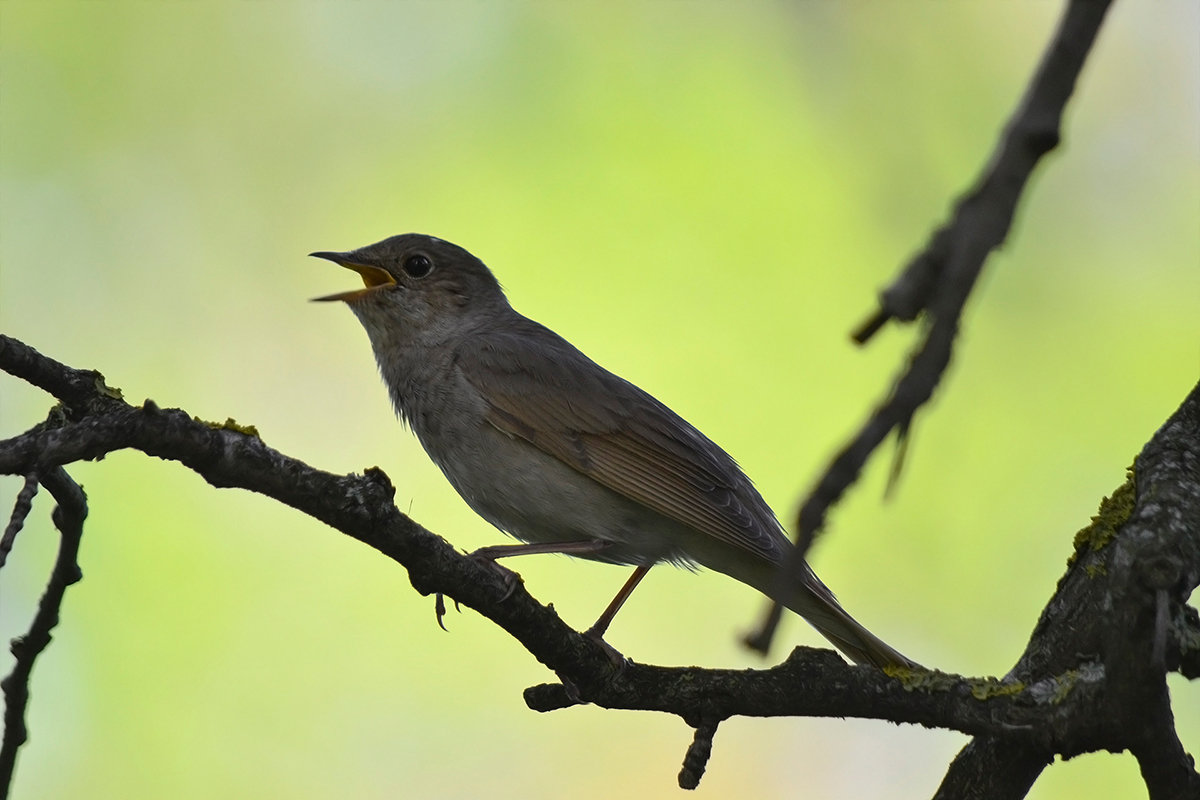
<point x="704" y="197"/>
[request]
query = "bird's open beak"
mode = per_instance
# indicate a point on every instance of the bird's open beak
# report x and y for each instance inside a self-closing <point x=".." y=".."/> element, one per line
<point x="373" y="277"/>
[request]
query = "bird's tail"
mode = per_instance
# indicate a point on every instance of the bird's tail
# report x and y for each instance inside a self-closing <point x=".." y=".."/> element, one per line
<point x="812" y="599"/>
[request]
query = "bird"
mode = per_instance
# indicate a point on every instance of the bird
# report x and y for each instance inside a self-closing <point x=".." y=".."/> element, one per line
<point x="558" y="452"/>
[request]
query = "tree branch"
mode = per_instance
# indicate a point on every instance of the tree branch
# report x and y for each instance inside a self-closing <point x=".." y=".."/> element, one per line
<point x="1122" y="603"/>
<point x="939" y="279"/>
<point x="68" y="518"/>
<point x="1052" y="702"/>
<point x="16" y="521"/>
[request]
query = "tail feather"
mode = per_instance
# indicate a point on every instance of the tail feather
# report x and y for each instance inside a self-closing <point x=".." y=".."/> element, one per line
<point x="808" y="597"/>
<point x="812" y="600"/>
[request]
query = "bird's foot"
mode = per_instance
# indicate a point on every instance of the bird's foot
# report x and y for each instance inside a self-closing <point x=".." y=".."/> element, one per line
<point x="510" y="580"/>
<point x="439" y="609"/>
<point x="618" y="660"/>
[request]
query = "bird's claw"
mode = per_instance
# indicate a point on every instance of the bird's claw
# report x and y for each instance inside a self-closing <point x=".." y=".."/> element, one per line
<point x="510" y="581"/>
<point x="439" y="609"/>
<point x="618" y="660"/>
<point x="508" y="577"/>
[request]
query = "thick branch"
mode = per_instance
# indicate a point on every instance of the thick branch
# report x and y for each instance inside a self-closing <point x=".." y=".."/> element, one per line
<point x="361" y="507"/>
<point x="1122" y="602"/>
<point x="817" y="683"/>
<point x="1040" y="710"/>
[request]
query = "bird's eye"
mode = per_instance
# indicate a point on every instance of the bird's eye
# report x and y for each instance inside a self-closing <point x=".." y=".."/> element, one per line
<point x="417" y="266"/>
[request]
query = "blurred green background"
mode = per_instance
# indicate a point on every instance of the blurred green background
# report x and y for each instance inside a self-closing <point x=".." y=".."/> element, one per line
<point x="705" y="198"/>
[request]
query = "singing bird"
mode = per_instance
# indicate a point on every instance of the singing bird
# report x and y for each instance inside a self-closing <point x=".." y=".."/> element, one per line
<point x="557" y="451"/>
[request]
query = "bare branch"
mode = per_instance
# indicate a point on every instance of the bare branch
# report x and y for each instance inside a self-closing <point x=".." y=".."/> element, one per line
<point x="1055" y="701"/>
<point x="939" y="279"/>
<point x="696" y="759"/>
<point x="68" y="518"/>
<point x="21" y="508"/>
<point x="1139" y="560"/>
<point x="76" y="388"/>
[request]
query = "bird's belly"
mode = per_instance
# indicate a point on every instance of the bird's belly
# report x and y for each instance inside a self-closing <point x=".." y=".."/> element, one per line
<point x="537" y="498"/>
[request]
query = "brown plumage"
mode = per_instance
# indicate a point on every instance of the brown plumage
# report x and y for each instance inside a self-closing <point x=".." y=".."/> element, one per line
<point x="555" y="450"/>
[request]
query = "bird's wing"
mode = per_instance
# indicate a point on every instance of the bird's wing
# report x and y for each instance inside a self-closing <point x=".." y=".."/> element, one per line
<point x="534" y="383"/>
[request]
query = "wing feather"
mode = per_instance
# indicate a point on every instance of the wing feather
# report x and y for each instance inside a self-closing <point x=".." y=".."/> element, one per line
<point x="534" y="382"/>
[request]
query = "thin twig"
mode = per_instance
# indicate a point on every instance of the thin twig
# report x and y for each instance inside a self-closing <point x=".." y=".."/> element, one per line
<point x="68" y="517"/>
<point x="16" y="521"/>
<point x="695" y="761"/>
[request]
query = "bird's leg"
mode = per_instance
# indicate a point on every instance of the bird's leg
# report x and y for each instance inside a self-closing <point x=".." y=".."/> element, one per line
<point x="492" y="552"/>
<point x="583" y="547"/>
<point x="598" y="630"/>
<point x="495" y="551"/>
<point x="489" y="555"/>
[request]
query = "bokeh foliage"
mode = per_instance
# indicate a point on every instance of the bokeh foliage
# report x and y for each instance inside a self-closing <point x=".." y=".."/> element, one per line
<point x="702" y="196"/>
